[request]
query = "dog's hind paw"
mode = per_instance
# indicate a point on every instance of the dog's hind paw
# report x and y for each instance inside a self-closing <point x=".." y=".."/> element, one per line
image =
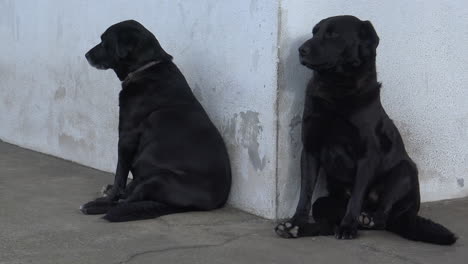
<point x="366" y="220"/>
<point x="287" y="230"/>
<point x="106" y="189"/>
<point x="372" y="220"/>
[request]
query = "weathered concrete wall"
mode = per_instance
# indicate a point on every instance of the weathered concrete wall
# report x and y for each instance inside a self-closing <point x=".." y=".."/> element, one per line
<point x="422" y="62"/>
<point x="54" y="102"/>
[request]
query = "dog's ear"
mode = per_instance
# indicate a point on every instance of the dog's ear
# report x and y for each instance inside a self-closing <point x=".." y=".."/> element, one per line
<point x="318" y="25"/>
<point x="368" y="39"/>
<point x="316" y="28"/>
<point x="126" y="43"/>
<point x="122" y="49"/>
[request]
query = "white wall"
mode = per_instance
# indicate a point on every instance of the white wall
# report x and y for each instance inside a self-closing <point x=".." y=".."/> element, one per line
<point x="422" y="62"/>
<point x="54" y="102"/>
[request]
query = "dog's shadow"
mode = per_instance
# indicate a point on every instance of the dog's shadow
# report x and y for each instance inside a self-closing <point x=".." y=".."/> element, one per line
<point x="293" y="80"/>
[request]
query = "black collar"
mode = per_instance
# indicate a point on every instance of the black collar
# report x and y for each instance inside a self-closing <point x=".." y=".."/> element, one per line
<point x="131" y="75"/>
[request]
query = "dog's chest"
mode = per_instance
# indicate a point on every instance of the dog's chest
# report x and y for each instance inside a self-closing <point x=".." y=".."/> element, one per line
<point x="348" y="139"/>
<point x="132" y="110"/>
<point x="339" y="147"/>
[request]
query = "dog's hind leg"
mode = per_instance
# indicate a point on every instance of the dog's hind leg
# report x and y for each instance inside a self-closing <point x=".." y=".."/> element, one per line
<point x="98" y="206"/>
<point x="160" y="195"/>
<point x="107" y="189"/>
<point x="392" y="193"/>
<point x="140" y="210"/>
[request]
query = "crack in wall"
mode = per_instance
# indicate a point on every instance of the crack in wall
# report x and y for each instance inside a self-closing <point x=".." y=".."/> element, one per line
<point x="279" y="76"/>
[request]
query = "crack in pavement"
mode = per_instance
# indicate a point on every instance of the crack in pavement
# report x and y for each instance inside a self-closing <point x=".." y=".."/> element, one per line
<point x="390" y="254"/>
<point x="139" y="254"/>
<point x="219" y="223"/>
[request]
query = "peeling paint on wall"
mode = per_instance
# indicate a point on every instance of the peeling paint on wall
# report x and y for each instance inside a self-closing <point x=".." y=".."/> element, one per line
<point x="245" y="128"/>
<point x="295" y="134"/>
<point x="70" y="143"/>
<point x="250" y="130"/>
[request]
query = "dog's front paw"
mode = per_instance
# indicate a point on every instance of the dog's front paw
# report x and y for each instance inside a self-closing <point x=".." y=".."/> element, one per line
<point x="346" y="232"/>
<point x="287" y="230"/>
<point x="98" y="206"/>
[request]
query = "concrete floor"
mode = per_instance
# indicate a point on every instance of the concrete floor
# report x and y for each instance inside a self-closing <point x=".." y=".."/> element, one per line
<point x="40" y="223"/>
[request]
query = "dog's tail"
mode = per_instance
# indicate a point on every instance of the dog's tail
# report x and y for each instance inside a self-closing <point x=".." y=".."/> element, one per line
<point x="418" y="228"/>
<point x="139" y="210"/>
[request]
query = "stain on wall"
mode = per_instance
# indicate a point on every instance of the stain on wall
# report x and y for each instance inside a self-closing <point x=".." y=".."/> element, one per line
<point x="60" y="93"/>
<point x="461" y="182"/>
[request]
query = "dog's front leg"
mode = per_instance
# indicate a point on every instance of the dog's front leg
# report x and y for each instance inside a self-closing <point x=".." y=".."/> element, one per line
<point x="349" y="224"/>
<point x="127" y="147"/>
<point x="309" y="174"/>
<point x="128" y="144"/>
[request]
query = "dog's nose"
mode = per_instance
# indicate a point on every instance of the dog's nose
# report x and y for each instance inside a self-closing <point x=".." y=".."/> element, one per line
<point x="304" y="50"/>
<point x="87" y="56"/>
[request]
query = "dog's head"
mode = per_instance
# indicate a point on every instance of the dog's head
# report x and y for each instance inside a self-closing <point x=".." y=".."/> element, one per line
<point x="340" y="43"/>
<point x="125" y="47"/>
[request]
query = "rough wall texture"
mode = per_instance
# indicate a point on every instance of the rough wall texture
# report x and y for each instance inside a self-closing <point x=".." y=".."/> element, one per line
<point x="54" y="102"/>
<point x="422" y="63"/>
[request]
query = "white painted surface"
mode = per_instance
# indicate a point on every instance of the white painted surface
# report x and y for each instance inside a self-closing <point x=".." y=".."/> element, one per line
<point x="54" y="102"/>
<point x="422" y="62"/>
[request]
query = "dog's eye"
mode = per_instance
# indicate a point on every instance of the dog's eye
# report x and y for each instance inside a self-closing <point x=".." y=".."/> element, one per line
<point x="331" y="34"/>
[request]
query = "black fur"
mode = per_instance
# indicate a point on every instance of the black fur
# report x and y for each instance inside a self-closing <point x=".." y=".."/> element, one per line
<point x="371" y="180"/>
<point x="177" y="157"/>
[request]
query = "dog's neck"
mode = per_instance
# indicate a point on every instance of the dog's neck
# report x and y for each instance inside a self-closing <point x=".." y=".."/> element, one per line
<point x="352" y="90"/>
<point x="130" y="76"/>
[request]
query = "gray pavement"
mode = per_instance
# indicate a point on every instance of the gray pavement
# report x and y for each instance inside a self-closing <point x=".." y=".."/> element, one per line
<point x="40" y="223"/>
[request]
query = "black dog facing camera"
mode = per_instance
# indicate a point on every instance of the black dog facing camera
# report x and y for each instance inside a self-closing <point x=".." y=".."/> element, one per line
<point x="177" y="156"/>
<point x="347" y="135"/>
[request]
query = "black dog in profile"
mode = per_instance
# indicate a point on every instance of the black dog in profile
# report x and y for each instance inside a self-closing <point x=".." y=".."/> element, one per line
<point x="346" y="134"/>
<point x="177" y="156"/>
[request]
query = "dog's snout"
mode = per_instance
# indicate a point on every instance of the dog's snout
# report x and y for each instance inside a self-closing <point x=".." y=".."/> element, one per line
<point x="304" y="50"/>
<point x="87" y="55"/>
